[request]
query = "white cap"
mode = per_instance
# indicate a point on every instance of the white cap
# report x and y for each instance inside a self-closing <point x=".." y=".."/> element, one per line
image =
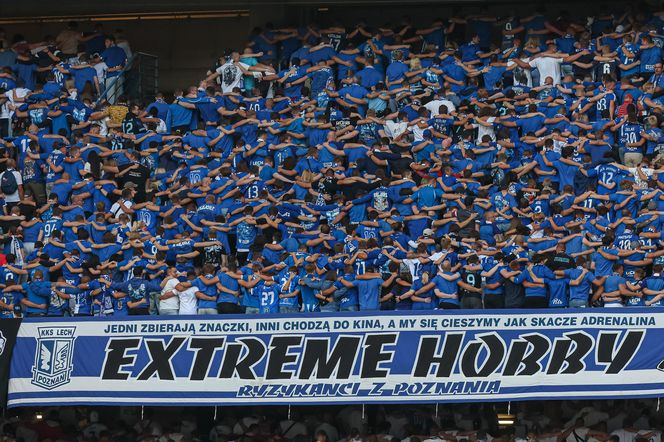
<point x="427" y="232"/>
<point x="620" y="28"/>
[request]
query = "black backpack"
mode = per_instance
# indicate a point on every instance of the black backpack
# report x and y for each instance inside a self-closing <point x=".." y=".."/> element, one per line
<point x="8" y="183"/>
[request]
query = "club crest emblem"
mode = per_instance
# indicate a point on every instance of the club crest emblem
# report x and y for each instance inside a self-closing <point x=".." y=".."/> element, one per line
<point x="53" y="357"/>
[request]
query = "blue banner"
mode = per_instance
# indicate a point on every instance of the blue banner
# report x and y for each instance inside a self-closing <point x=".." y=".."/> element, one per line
<point x="372" y="357"/>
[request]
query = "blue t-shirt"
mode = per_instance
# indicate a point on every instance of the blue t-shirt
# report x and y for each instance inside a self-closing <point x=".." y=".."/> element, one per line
<point x="368" y="291"/>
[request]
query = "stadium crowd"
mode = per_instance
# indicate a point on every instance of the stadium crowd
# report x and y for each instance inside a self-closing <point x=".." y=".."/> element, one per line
<point x="474" y="162"/>
<point x="556" y="421"/>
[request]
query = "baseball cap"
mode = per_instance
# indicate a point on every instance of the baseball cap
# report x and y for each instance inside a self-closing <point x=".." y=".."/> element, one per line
<point x="130" y="185"/>
<point x="427" y="232"/>
<point x="620" y="28"/>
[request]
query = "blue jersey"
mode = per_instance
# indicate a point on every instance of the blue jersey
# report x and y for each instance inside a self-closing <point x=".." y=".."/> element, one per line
<point x="629" y="133"/>
<point x="636" y="301"/>
<point x="541" y="272"/>
<point x="9" y="298"/>
<point x="655" y="283"/>
<point x="558" y="293"/>
<point x="149" y="218"/>
<point x="82" y="304"/>
<point x="250" y="296"/>
<point x="207" y="290"/>
<point x="581" y="291"/>
<point x="137" y="290"/>
<point x="285" y="289"/>
<point x="649" y="58"/>
<point x="57" y="306"/>
<point x="269" y="298"/>
<point x="105" y="297"/>
<point x="229" y="283"/>
<point x="368" y="291"/>
<point x="607" y="175"/>
<point x="37" y="292"/>
<point x="429" y="294"/>
<point x="246" y="235"/>
<point x="309" y="300"/>
<point x="350" y="298"/>
<point x="448" y="288"/>
<point x="603" y="266"/>
<point x="50" y="226"/>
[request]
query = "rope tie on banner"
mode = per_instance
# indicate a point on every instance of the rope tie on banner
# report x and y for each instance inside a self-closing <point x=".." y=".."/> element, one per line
<point x="658" y="405"/>
<point x="142" y="411"/>
<point x="362" y="411"/>
<point x="509" y="407"/>
<point x="289" y="412"/>
<point x="436" y="409"/>
<point x="215" y="413"/>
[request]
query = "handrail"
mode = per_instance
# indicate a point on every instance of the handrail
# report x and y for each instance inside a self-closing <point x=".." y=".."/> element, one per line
<point x="130" y="64"/>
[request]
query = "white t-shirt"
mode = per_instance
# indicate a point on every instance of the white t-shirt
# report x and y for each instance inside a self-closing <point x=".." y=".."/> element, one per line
<point x="655" y="437"/>
<point x="101" y="69"/>
<point x="418" y="133"/>
<point x="117" y="207"/>
<point x="15" y="94"/>
<point x="624" y="435"/>
<point x="547" y="67"/>
<point x="581" y="432"/>
<point x="5" y="113"/>
<point x="231" y="76"/>
<point x="434" y="106"/>
<point x="13" y="198"/>
<point x="412" y="265"/>
<point x="647" y="171"/>
<point x="103" y="126"/>
<point x="394" y="129"/>
<point x="161" y="127"/>
<point x="485" y="130"/>
<point x="188" y="301"/>
<point x="170" y="303"/>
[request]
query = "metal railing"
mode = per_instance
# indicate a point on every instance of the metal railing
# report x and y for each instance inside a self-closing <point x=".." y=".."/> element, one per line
<point x="138" y="80"/>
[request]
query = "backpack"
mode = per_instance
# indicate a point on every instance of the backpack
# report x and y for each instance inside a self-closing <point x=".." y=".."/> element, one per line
<point x="8" y="183"/>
